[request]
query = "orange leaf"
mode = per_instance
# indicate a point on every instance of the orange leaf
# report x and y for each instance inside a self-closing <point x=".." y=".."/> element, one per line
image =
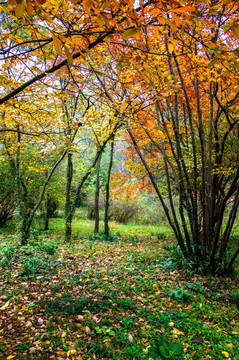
<point x="29" y="8"/>
<point x="87" y="4"/>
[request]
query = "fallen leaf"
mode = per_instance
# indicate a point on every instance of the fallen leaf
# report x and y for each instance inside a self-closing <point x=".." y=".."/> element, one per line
<point x="40" y="321"/>
<point x="130" y="338"/>
<point x="71" y="352"/>
<point x="225" y="354"/>
<point x="96" y="319"/>
<point x="230" y="346"/>
<point x="87" y="329"/>
<point x="5" y="305"/>
<point x="197" y="339"/>
<point x="10" y="357"/>
<point x="177" y="332"/>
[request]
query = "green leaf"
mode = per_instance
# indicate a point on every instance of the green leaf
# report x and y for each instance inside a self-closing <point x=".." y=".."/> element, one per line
<point x="175" y="349"/>
<point x="153" y="352"/>
<point x="212" y="62"/>
<point x="129" y="33"/>
<point x="162" y="342"/>
<point x="119" y="66"/>
<point x="164" y="352"/>
<point x="152" y="83"/>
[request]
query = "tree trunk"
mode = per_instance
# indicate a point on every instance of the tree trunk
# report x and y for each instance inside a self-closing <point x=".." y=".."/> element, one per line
<point x="97" y="195"/>
<point x="107" y="192"/>
<point x="68" y="197"/>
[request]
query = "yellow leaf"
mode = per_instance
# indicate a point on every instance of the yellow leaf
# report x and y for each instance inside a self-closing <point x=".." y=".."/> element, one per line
<point x="10" y="357"/>
<point x="177" y="332"/>
<point x="170" y="48"/>
<point x="57" y="44"/>
<point x="225" y="354"/>
<point x="68" y="55"/>
<point x="19" y="10"/>
<point x="71" y="352"/>
<point x="63" y="334"/>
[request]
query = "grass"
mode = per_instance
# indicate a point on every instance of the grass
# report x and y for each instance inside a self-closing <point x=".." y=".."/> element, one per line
<point x="111" y="300"/>
<point x="86" y="227"/>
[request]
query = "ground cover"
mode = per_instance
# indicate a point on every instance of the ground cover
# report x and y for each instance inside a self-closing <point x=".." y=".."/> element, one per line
<point x="115" y="298"/>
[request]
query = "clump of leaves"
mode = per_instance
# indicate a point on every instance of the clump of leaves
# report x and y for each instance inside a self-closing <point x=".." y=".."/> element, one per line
<point x="180" y="294"/>
<point x="30" y="266"/>
<point x="160" y="235"/>
<point x="109" y="237"/>
<point x="49" y="249"/>
<point x="7" y="256"/>
<point x="165" y="349"/>
<point x="101" y="236"/>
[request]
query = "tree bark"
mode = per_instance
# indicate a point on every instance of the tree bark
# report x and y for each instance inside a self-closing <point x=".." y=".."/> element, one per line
<point x="107" y="191"/>
<point x="97" y="195"/>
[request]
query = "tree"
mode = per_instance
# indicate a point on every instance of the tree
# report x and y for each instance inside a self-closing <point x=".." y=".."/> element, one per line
<point x="194" y="133"/>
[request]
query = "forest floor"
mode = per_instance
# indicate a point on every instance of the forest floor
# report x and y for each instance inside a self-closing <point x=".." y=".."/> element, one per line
<point x="116" y="299"/>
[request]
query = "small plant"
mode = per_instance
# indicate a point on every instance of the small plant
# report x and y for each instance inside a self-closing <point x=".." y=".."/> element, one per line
<point x="160" y="235"/>
<point x="30" y="266"/>
<point x="7" y="256"/>
<point x="49" y="249"/>
<point x="95" y="236"/>
<point x="181" y="294"/>
<point x="104" y="330"/>
<point x="166" y="350"/>
<point x="109" y="237"/>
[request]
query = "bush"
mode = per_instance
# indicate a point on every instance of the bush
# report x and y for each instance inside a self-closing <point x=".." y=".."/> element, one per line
<point x="123" y="211"/>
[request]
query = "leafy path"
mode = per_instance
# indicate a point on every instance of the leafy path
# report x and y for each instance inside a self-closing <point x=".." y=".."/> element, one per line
<point x="109" y="300"/>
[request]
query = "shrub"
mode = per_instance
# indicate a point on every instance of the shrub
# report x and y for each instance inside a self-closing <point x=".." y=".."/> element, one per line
<point x="123" y="211"/>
